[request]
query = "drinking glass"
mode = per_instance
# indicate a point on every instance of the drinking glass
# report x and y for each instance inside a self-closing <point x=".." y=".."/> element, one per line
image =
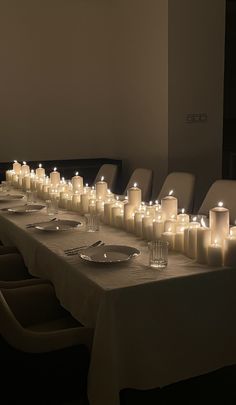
<point x="158" y="254"/>
<point x="92" y="222"/>
<point x="52" y="206"/>
<point x="31" y="196"/>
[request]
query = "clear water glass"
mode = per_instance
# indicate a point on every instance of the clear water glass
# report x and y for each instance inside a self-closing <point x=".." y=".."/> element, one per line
<point x="92" y="222"/>
<point x="52" y="206"/>
<point x="158" y="254"/>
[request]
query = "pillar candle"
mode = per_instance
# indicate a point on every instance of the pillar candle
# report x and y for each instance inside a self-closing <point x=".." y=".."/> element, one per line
<point x="230" y="251"/>
<point x="40" y="171"/>
<point x="151" y="209"/>
<point x="147" y="227"/>
<point x="232" y="231"/>
<point x="101" y="189"/>
<point x="219" y="223"/>
<point x="138" y="216"/>
<point x="84" y="203"/>
<point x="169" y="237"/>
<point x="169" y="205"/>
<point x="170" y="225"/>
<point x="128" y="214"/>
<point x="179" y="239"/>
<point x="107" y="215"/>
<point x="130" y="223"/>
<point x="134" y="195"/>
<point x="119" y="219"/>
<point x="99" y="206"/>
<point x="25" y="169"/>
<point x="77" y="182"/>
<point x="55" y="177"/>
<point x="92" y="206"/>
<point x="192" y="239"/>
<point x="183" y="218"/>
<point x="76" y="201"/>
<point x="115" y="210"/>
<point x="158" y="229"/>
<point x="215" y="255"/>
<point x="203" y="241"/>
<point x="16" y="167"/>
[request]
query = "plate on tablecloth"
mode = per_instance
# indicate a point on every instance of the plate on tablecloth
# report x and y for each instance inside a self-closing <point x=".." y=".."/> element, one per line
<point x="10" y="197"/>
<point x="58" y="225"/>
<point x="109" y="254"/>
<point x="24" y="209"/>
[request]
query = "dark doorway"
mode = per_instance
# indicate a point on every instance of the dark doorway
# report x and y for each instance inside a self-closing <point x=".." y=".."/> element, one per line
<point x="229" y="131"/>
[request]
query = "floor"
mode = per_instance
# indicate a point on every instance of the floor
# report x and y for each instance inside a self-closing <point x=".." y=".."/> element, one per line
<point x="215" y="388"/>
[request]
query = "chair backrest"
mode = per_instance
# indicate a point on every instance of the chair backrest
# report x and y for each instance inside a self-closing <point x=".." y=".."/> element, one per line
<point x="182" y="184"/>
<point x="110" y="173"/>
<point x="143" y="177"/>
<point x="221" y="190"/>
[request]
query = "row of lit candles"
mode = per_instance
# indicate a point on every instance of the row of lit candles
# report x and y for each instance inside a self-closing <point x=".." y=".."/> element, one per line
<point x="215" y="245"/>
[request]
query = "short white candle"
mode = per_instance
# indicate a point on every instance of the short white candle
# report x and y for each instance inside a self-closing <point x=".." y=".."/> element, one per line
<point x="179" y="239"/>
<point x="183" y="218"/>
<point x="170" y="225"/>
<point x="107" y="216"/>
<point x="219" y="223"/>
<point x="76" y="201"/>
<point x="138" y="216"/>
<point x="128" y="214"/>
<point x="119" y="219"/>
<point x="130" y="224"/>
<point x="158" y="229"/>
<point x="232" y="231"/>
<point x="40" y="171"/>
<point x="170" y="238"/>
<point x="55" y="177"/>
<point x="203" y="241"/>
<point x="134" y="195"/>
<point x="84" y="203"/>
<point x="169" y="205"/>
<point x="16" y="167"/>
<point x="215" y="255"/>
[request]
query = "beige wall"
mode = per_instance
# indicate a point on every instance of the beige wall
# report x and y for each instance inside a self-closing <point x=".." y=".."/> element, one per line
<point x="196" y="74"/>
<point x="54" y="80"/>
<point x="90" y="78"/>
<point x="140" y="82"/>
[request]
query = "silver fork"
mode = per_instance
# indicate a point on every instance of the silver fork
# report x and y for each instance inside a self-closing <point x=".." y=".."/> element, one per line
<point x="38" y="223"/>
<point x="74" y="251"/>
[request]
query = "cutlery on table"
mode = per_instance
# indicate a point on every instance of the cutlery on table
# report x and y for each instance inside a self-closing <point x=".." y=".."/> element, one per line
<point x="39" y="223"/>
<point x="74" y="251"/>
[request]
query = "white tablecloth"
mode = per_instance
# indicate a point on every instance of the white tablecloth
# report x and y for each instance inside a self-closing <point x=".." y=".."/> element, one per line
<point x="152" y="328"/>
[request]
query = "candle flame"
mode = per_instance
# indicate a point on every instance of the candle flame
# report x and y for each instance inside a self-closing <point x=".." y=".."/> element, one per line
<point x="24" y="163"/>
<point x="15" y="161"/>
<point x="215" y="242"/>
<point x="86" y="185"/>
<point x="126" y="197"/>
<point x="173" y="216"/>
<point x="135" y="184"/>
<point x="203" y="223"/>
<point x="108" y="191"/>
<point x="117" y="197"/>
<point x="159" y="217"/>
<point x="182" y="210"/>
<point x="194" y="219"/>
<point x="231" y="233"/>
<point x="150" y="202"/>
<point x="40" y="165"/>
<point x="102" y="178"/>
<point x="220" y="204"/>
<point x="156" y="202"/>
<point x="55" y="169"/>
<point x="169" y="229"/>
<point x="171" y="192"/>
<point x="76" y="173"/>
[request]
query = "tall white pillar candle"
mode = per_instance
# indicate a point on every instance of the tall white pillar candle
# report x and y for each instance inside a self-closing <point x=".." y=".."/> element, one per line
<point x="134" y="195"/>
<point x="219" y="223"/>
<point x="203" y="241"/>
<point x="192" y="239"/>
<point x="169" y="206"/>
<point x="40" y="171"/>
<point x="84" y="203"/>
<point x="158" y="229"/>
<point x="101" y="189"/>
<point x="147" y="227"/>
<point x="230" y="251"/>
<point x="128" y="214"/>
<point x="77" y="183"/>
<point x="183" y="218"/>
<point x="55" y="177"/>
<point x="16" y="167"/>
<point x="25" y="169"/>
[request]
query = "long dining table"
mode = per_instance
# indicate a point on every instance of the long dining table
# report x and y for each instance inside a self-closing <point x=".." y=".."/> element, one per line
<point x="151" y="327"/>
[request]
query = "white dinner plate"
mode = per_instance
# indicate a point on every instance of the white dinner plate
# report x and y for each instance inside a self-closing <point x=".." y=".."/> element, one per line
<point x="109" y="254"/>
<point x="58" y="225"/>
<point x="10" y="197"/>
<point x="25" y="209"/>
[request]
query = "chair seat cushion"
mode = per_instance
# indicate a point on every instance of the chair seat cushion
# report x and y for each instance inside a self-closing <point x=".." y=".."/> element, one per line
<point x="55" y="324"/>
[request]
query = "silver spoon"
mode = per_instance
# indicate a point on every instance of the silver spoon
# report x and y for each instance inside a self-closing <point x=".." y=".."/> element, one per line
<point x="74" y="251"/>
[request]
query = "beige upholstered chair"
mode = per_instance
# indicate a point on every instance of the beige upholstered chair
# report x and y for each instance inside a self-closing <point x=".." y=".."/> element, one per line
<point x="44" y="350"/>
<point x="110" y="173"/>
<point x="221" y="190"/>
<point x="143" y="177"/>
<point x="182" y="184"/>
<point x="8" y="249"/>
